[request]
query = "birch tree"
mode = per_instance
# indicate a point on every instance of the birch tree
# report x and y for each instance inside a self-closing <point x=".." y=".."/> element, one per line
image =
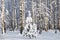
<point x="22" y="15"/>
<point x="13" y="15"/>
<point x="3" y="23"/>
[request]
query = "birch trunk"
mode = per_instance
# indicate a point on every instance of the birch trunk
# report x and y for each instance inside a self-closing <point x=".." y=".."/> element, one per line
<point x="22" y="15"/>
<point x="3" y="25"/>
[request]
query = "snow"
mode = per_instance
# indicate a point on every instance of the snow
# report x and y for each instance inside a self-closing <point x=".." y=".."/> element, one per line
<point x="50" y="35"/>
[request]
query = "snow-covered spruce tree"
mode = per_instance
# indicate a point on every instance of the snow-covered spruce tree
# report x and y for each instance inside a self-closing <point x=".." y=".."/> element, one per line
<point x="30" y="29"/>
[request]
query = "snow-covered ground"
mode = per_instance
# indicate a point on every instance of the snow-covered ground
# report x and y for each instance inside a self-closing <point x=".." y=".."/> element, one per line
<point x="50" y="35"/>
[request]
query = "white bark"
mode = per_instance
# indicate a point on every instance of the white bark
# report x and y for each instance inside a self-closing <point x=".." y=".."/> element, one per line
<point x="3" y="17"/>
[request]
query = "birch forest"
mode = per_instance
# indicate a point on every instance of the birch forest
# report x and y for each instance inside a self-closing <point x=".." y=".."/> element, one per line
<point x="44" y="13"/>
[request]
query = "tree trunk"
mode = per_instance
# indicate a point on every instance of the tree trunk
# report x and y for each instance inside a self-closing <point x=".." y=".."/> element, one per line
<point x="22" y="15"/>
<point x="13" y="15"/>
<point x="3" y="25"/>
